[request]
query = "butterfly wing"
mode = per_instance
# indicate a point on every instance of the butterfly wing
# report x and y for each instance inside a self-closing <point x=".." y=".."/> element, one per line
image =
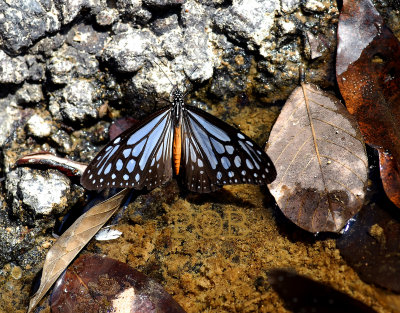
<point x="139" y="157"/>
<point x="217" y="154"/>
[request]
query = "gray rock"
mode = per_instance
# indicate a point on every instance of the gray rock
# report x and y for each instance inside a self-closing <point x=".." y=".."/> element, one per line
<point x="249" y="22"/>
<point x="199" y="50"/>
<point x="159" y="79"/>
<point x="12" y="70"/>
<point x="63" y="141"/>
<point x="14" y="239"/>
<point x="29" y="93"/>
<point x="39" y="192"/>
<point x="39" y="126"/>
<point x="84" y="38"/>
<point x="129" y="49"/>
<point x="170" y="35"/>
<point x="107" y="17"/>
<point x="289" y="6"/>
<point x="76" y="102"/>
<point x="68" y="62"/>
<point x="15" y="70"/>
<point x="10" y="115"/>
<point x="316" y="5"/>
<point x="23" y="22"/>
<point x="129" y="7"/>
<point x="47" y="45"/>
<point x="133" y="10"/>
<point x="69" y="9"/>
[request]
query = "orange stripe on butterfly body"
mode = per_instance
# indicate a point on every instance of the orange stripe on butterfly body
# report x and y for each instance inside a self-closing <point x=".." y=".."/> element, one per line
<point x="177" y="149"/>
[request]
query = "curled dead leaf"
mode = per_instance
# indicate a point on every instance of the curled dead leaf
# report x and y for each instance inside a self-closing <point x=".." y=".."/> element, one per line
<point x="368" y="75"/>
<point x="73" y="240"/>
<point x="96" y="283"/>
<point x="321" y="161"/>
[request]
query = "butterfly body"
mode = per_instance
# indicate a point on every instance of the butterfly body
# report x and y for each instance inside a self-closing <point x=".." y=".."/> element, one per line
<point x="182" y="140"/>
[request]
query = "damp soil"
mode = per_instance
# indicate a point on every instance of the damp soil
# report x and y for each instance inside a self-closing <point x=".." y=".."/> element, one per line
<point x="214" y="252"/>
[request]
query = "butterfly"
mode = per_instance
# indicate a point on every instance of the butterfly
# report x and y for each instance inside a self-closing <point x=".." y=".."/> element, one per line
<point x="183" y="140"/>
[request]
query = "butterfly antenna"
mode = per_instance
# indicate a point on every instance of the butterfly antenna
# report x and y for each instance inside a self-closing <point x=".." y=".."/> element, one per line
<point x="163" y="72"/>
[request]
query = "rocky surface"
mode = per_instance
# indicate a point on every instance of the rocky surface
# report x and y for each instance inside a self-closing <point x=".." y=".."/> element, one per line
<point x="68" y="68"/>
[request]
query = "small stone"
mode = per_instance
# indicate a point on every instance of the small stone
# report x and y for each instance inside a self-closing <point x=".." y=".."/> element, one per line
<point x="289" y="6"/>
<point x="68" y="63"/>
<point x="76" y="102"/>
<point x="43" y="192"/>
<point x="63" y="141"/>
<point x="315" y="6"/>
<point x="16" y="272"/>
<point x="29" y="93"/>
<point x="130" y="49"/>
<point x="248" y="21"/>
<point x="9" y="116"/>
<point x="38" y="126"/>
<point x="107" y="17"/>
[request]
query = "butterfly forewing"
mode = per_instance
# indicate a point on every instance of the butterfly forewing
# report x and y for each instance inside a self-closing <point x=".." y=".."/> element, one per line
<point x="139" y="157"/>
<point x="217" y="154"/>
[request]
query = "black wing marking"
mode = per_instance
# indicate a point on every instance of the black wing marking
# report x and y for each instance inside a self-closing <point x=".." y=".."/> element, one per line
<point x="217" y="154"/>
<point x="139" y="157"/>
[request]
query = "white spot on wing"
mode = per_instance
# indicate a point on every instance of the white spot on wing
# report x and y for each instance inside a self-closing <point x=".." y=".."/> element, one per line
<point x="131" y="165"/>
<point x="119" y="165"/>
<point x="249" y="164"/>
<point x="225" y="162"/>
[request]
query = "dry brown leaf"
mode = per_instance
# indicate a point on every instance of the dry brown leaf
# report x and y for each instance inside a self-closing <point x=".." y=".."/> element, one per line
<point x="73" y="240"/>
<point x="320" y="158"/>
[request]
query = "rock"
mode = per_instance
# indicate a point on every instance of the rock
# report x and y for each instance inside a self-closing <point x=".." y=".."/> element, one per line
<point x="69" y="9"/>
<point x="84" y="38"/>
<point x="200" y="58"/>
<point x="289" y="6"/>
<point x="14" y="239"/>
<point x="29" y="93"/>
<point x="23" y="22"/>
<point x="249" y="22"/>
<point x="316" y="6"/>
<point x="76" y="102"/>
<point x="107" y="17"/>
<point x="17" y="70"/>
<point x="9" y="116"/>
<point x="129" y="49"/>
<point x="38" y="192"/>
<point x="68" y="63"/>
<point x="38" y="126"/>
<point x="63" y="141"/>
<point x="170" y="35"/>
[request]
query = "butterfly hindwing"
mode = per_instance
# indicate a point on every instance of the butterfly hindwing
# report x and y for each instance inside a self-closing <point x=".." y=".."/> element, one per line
<point x="139" y="157"/>
<point x="217" y="154"/>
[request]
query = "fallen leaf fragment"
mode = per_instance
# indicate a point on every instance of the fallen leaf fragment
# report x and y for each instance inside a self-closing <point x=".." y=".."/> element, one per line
<point x="321" y="161"/>
<point x="73" y="240"/>
<point x="368" y="75"/>
<point x="95" y="283"/>
<point x="49" y="160"/>
<point x="390" y="176"/>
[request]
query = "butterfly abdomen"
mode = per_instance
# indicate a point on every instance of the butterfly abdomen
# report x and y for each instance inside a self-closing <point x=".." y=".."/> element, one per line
<point x="177" y="149"/>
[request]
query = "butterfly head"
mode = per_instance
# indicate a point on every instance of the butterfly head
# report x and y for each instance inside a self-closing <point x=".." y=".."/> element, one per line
<point x="177" y="96"/>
